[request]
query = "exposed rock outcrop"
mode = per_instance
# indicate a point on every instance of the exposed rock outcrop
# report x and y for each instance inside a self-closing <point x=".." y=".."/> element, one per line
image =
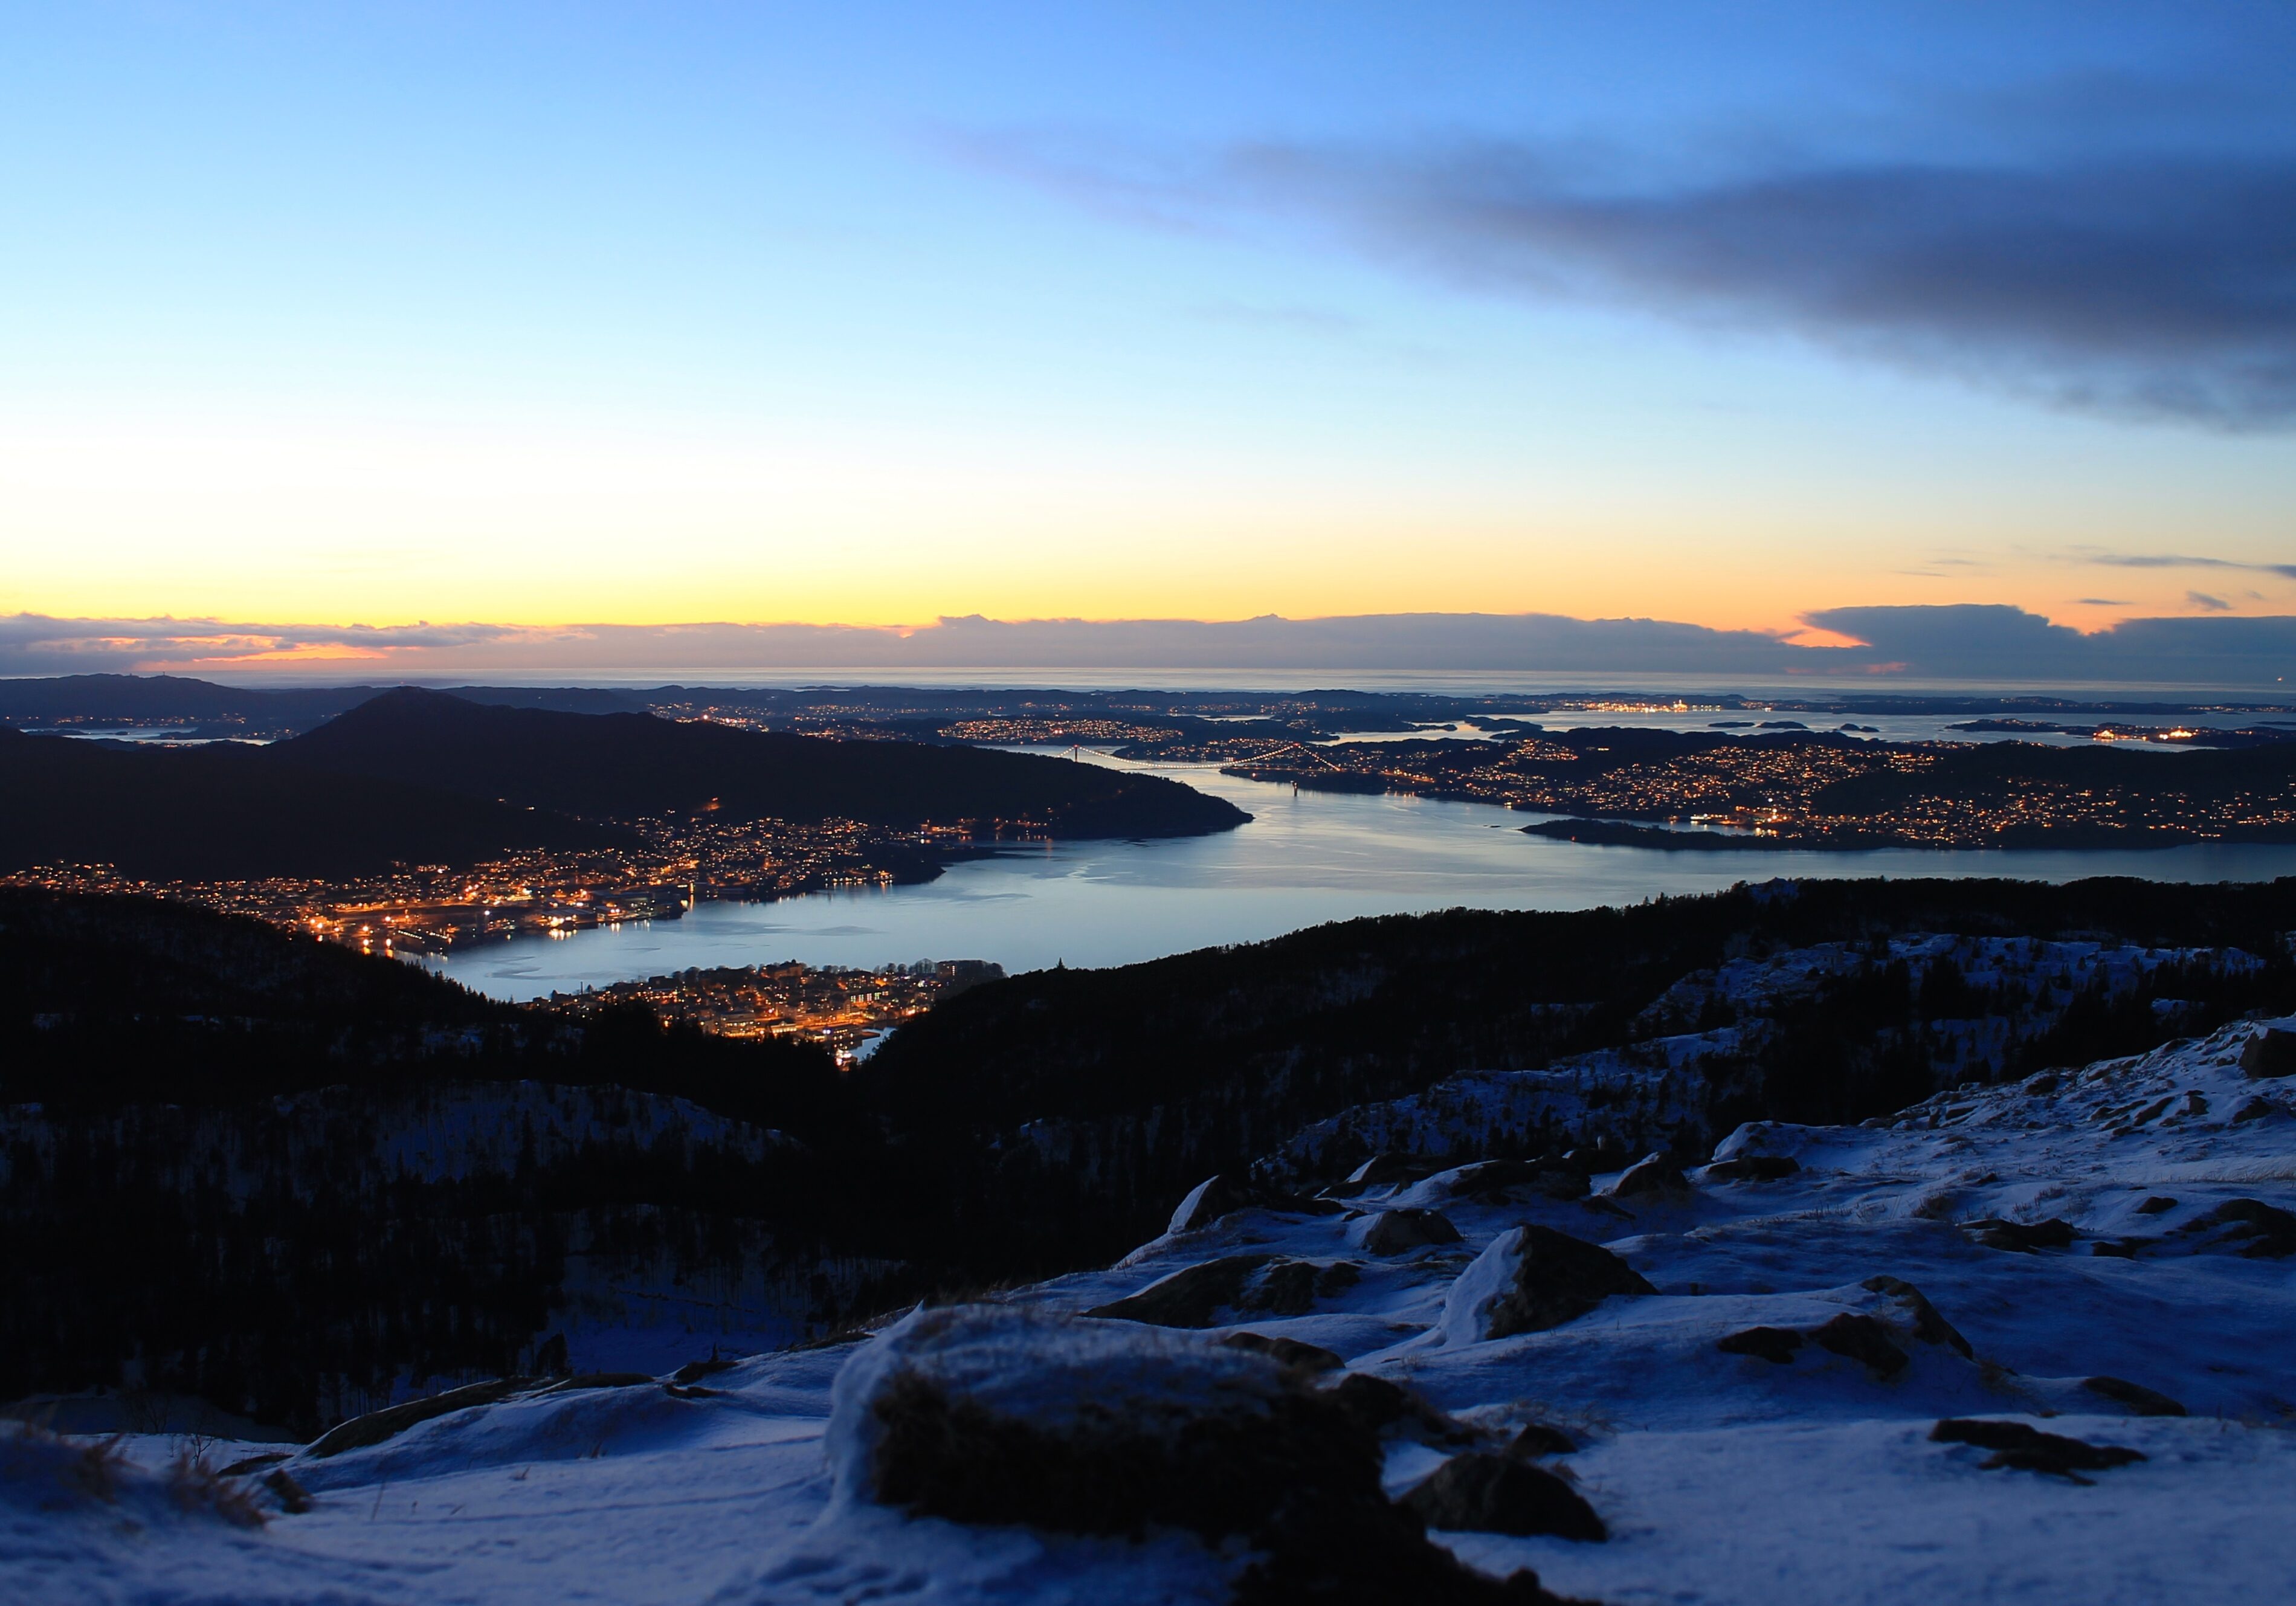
<point x="2022" y="1237"/>
<point x="1530" y="1279"/>
<point x="2249" y="1227"/>
<point x="1775" y="1345"/>
<point x="2140" y="1400"/>
<point x="376" y="1426"/>
<point x="1399" y="1232"/>
<point x="2270" y="1053"/>
<point x="2027" y="1449"/>
<point x="1494" y="1494"/>
<point x="1928" y="1325"/>
<point x="1197" y="1295"/>
<point x="1654" y="1177"/>
<point x="1286" y="1352"/>
<point x="988" y="1415"/>
<point x="1864" y="1339"/>
<point x="1752" y="1168"/>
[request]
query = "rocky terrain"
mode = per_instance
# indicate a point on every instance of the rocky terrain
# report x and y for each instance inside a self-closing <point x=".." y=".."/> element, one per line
<point x="2021" y="1342"/>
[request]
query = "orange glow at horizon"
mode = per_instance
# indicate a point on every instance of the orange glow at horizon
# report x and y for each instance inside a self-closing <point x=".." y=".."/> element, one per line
<point x="337" y="522"/>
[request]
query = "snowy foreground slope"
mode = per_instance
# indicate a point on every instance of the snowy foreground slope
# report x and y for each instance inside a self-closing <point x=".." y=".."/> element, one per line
<point x="2084" y="1255"/>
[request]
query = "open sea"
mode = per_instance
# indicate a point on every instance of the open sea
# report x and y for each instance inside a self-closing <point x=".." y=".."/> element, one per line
<point x="1305" y="859"/>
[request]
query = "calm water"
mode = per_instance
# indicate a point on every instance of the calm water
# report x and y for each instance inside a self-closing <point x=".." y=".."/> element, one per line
<point x="1305" y="859"/>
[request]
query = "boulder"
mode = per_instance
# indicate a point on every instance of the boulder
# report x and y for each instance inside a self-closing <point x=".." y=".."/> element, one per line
<point x="1399" y="1232"/>
<point x="2270" y="1053"/>
<point x="253" y="1463"/>
<point x="1654" y="1176"/>
<point x="1496" y="1181"/>
<point x="2027" y="1449"/>
<point x="1532" y="1278"/>
<point x="2140" y="1400"/>
<point x="1382" y="1170"/>
<point x="1206" y="1202"/>
<point x="1220" y="1196"/>
<point x="2021" y="1236"/>
<point x="1775" y="1345"/>
<point x="2156" y="1205"/>
<point x="1542" y="1438"/>
<point x="1494" y="1495"/>
<point x="694" y="1371"/>
<point x="2254" y="1110"/>
<point x="1752" y="1168"/>
<point x="1256" y="1285"/>
<point x="599" y="1380"/>
<point x="1863" y="1340"/>
<point x="2256" y="1230"/>
<point x="1928" y="1325"/>
<point x="997" y="1415"/>
<point x="1383" y="1405"/>
<point x="376" y="1426"/>
<point x="1286" y="1352"/>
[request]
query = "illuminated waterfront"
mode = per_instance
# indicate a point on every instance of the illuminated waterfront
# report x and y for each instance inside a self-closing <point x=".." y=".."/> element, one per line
<point x="1306" y="858"/>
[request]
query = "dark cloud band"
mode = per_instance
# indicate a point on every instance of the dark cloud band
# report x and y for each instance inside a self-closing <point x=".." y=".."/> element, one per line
<point x="1961" y="643"/>
<point x="2147" y="287"/>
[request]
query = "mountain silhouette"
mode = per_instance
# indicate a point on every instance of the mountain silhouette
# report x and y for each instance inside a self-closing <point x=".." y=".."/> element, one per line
<point x="627" y="766"/>
<point x="229" y="811"/>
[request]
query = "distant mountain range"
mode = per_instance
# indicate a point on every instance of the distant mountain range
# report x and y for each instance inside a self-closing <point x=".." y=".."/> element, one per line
<point x="416" y="776"/>
<point x="203" y="710"/>
<point x="150" y="699"/>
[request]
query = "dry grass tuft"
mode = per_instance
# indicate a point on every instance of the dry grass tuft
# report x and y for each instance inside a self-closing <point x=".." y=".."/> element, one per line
<point x="195" y="1486"/>
<point x="64" y="1472"/>
<point x="60" y="1473"/>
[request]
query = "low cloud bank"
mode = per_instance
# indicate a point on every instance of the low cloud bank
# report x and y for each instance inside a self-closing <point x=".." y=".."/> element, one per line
<point x="1917" y="644"/>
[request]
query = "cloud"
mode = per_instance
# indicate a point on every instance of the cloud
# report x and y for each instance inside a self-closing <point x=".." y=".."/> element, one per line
<point x="32" y="643"/>
<point x="2145" y="286"/>
<point x="2213" y="604"/>
<point x="1957" y="643"/>
<point x="1988" y="642"/>
<point x="2286" y="571"/>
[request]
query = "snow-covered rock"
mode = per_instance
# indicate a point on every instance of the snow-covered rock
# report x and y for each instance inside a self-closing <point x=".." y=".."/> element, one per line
<point x="1531" y="1278"/>
<point x="1804" y="1466"/>
<point x="988" y="1415"/>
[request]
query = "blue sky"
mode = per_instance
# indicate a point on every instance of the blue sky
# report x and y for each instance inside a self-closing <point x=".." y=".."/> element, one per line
<point x="872" y="314"/>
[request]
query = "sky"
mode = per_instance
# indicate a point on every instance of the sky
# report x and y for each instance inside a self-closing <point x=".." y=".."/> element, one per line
<point x="456" y="323"/>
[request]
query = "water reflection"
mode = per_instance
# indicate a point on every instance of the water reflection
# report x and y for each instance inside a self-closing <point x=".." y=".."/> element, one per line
<point x="1306" y="858"/>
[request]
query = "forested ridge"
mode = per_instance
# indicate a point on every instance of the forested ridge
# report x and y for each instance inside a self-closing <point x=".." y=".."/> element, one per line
<point x="625" y="765"/>
<point x="213" y="1158"/>
<point x="412" y="777"/>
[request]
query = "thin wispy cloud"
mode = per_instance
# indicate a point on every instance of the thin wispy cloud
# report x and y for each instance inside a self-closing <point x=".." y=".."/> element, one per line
<point x="2286" y="571"/>
<point x="40" y="643"/>
<point x="2207" y="603"/>
<point x="2153" y="287"/>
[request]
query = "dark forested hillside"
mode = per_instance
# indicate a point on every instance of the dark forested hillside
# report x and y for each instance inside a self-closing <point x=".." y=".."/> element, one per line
<point x="232" y="811"/>
<point x="623" y="765"/>
<point x="106" y="1002"/>
<point x="421" y="777"/>
<point x="286" y="1176"/>
<point x="1134" y="1083"/>
<point x="1990" y="773"/>
<point x="237" y="1162"/>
